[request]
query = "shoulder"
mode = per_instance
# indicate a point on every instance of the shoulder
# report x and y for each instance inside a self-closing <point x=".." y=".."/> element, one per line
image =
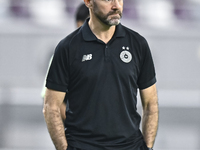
<point x="135" y="35"/>
<point x="68" y="46"/>
<point x="65" y="42"/>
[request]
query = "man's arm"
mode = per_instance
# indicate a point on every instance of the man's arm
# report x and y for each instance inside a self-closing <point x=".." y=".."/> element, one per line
<point x="150" y="114"/>
<point x="52" y="102"/>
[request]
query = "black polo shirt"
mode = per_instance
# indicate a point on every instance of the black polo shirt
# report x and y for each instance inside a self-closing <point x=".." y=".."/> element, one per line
<point x="101" y="82"/>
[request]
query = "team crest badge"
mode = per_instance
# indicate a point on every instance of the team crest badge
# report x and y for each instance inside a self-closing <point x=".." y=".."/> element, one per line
<point x="125" y="55"/>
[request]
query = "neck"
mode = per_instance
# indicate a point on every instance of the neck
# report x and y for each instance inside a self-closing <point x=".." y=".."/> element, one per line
<point x="101" y="31"/>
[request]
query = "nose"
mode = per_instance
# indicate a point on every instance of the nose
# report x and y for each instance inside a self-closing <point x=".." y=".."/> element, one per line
<point x="116" y="4"/>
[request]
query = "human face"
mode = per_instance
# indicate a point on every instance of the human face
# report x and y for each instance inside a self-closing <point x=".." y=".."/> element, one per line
<point x="108" y="11"/>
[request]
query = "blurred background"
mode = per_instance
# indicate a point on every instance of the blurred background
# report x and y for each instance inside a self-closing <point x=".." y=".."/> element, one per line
<point x="29" y="32"/>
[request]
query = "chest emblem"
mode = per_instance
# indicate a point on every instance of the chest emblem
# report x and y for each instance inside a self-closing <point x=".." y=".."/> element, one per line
<point x="125" y="55"/>
<point x="87" y="57"/>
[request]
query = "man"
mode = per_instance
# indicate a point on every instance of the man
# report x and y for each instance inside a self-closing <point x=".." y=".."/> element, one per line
<point x="82" y="14"/>
<point x="99" y="68"/>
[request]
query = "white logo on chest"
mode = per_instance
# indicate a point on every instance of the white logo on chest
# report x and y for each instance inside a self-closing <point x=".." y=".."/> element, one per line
<point x="87" y="57"/>
<point x="126" y="55"/>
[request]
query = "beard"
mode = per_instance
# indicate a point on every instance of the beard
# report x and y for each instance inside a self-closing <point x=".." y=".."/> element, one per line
<point x="110" y="19"/>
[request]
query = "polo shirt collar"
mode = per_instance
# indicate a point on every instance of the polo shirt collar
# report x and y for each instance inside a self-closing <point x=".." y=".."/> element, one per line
<point x="89" y="36"/>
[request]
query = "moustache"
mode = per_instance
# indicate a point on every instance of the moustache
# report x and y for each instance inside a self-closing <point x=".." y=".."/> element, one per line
<point x="115" y="12"/>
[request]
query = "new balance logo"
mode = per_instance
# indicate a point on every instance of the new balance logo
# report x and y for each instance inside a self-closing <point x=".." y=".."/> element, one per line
<point x="87" y="57"/>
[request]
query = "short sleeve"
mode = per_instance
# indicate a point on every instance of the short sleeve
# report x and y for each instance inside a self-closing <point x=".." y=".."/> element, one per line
<point x="147" y="75"/>
<point x="57" y="78"/>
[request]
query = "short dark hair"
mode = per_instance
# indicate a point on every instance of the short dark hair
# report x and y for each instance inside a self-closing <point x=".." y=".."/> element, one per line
<point x="82" y="13"/>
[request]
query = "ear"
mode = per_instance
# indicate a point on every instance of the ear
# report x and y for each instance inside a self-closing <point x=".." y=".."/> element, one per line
<point x="88" y="3"/>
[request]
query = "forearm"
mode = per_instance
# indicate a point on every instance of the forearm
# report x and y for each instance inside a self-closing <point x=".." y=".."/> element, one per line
<point x="150" y="125"/>
<point x="55" y="127"/>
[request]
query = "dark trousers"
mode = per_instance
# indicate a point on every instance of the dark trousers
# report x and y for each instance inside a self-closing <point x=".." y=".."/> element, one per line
<point x="72" y="148"/>
<point x="143" y="147"/>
